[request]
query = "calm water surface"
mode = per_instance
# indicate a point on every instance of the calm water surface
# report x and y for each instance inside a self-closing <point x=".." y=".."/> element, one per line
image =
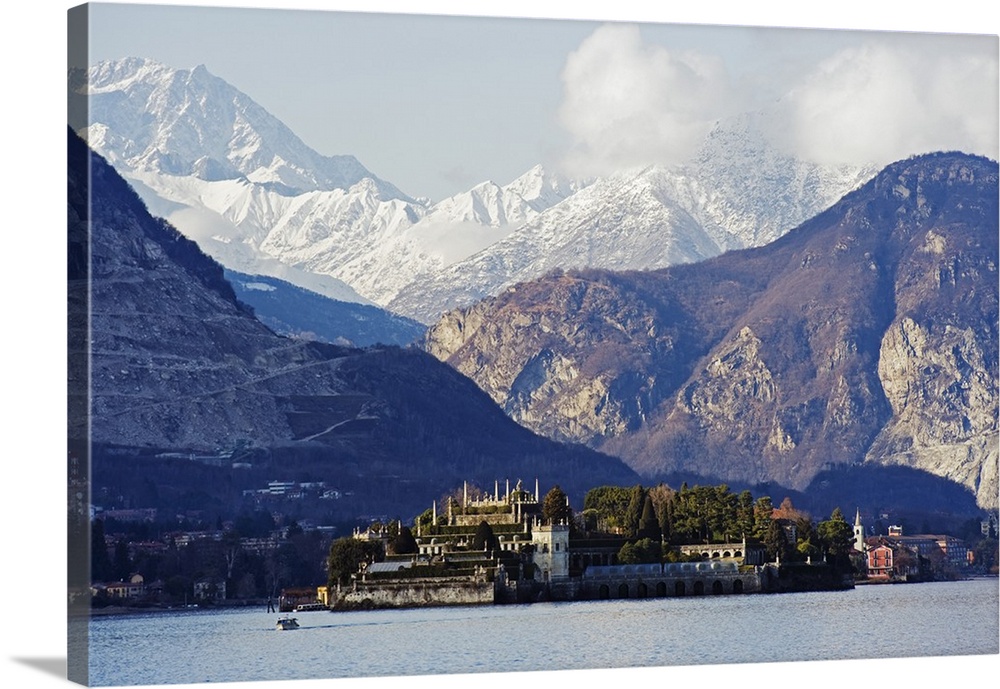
<point x="936" y="619"/>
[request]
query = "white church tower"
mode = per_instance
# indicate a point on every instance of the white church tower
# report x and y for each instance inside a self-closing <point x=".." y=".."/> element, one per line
<point x="859" y="533"/>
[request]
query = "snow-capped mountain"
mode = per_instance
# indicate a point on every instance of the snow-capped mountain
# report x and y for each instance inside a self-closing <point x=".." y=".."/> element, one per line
<point x="180" y="122"/>
<point x="257" y="199"/>
<point x="746" y="192"/>
<point x="739" y="192"/>
<point x="221" y="168"/>
<point x="497" y="206"/>
<point x="624" y="221"/>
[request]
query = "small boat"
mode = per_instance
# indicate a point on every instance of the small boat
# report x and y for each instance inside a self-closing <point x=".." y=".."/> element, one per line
<point x="287" y="623"/>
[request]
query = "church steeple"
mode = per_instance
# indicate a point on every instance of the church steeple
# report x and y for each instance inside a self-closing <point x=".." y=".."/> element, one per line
<point x="859" y="532"/>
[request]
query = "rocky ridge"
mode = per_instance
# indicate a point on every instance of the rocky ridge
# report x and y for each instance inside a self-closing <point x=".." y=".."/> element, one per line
<point x="866" y="335"/>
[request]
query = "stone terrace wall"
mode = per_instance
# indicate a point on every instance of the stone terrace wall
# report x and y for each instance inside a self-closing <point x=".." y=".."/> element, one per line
<point x="668" y="580"/>
<point x="414" y="594"/>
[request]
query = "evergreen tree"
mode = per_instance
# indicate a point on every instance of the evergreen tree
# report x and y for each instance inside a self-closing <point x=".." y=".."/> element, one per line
<point x="404" y="543"/>
<point x="627" y="554"/>
<point x="720" y="513"/>
<point x="609" y="505"/>
<point x="836" y="539"/>
<point x="806" y="539"/>
<point x="662" y="495"/>
<point x="643" y="551"/>
<point x="744" y="515"/>
<point x="667" y="521"/>
<point x="347" y="554"/>
<point x="762" y="517"/>
<point x="687" y="526"/>
<point x="484" y="538"/>
<point x="633" y="515"/>
<point x="776" y="541"/>
<point x="555" y="507"/>
<point x="649" y="526"/>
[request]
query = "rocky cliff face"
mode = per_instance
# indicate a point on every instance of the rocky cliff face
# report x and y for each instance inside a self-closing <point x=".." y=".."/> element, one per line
<point x="868" y="334"/>
<point x="938" y="361"/>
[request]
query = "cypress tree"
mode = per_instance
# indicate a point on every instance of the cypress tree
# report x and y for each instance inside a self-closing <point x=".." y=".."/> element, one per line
<point x="633" y="514"/>
<point x="555" y="507"/>
<point x="484" y="538"/>
<point x="649" y="527"/>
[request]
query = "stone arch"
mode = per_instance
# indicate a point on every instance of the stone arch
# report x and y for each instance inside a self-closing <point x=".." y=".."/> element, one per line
<point x="603" y="593"/>
<point x="699" y="588"/>
<point x="715" y="554"/>
<point x="661" y="589"/>
<point x="738" y="553"/>
<point x="679" y="588"/>
<point x="641" y="590"/>
<point x="738" y="586"/>
<point x="716" y="587"/>
<point x="623" y="591"/>
<point x="726" y="553"/>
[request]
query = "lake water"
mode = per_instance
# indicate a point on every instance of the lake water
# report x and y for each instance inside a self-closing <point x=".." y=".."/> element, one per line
<point x="933" y="619"/>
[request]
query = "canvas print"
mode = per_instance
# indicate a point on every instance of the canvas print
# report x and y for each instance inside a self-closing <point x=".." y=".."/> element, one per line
<point x="409" y="345"/>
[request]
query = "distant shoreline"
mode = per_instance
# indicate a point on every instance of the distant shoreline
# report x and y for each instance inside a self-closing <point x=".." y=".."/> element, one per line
<point x="112" y="610"/>
<point x="138" y="609"/>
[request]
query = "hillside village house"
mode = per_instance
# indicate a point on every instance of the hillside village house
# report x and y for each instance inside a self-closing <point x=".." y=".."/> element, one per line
<point x="903" y="557"/>
<point x="135" y="587"/>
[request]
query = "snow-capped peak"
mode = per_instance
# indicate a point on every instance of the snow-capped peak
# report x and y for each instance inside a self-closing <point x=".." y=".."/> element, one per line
<point x="234" y="178"/>
<point x="542" y="189"/>
<point x="166" y="120"/>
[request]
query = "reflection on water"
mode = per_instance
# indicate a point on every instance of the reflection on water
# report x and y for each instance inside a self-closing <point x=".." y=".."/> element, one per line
<point x="954" y="618"/>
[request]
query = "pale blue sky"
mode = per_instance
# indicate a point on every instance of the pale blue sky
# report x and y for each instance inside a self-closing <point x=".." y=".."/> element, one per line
<point x="435" y="104"/>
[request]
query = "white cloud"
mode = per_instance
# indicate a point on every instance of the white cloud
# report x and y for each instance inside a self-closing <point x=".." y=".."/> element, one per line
<point x="628" y="104"/>
<point x="902" y="96"/>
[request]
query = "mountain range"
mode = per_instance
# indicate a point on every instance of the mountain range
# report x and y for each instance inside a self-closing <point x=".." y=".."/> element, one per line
<point x="866" y="336"/>
<point x="230" y="176"/>
<point x="663" y="315"/>
<point x="171" y="366"/>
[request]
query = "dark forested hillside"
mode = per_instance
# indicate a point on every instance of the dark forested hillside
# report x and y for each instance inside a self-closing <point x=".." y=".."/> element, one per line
<point x="184" y="379"/>
<point x="297" y="312"/>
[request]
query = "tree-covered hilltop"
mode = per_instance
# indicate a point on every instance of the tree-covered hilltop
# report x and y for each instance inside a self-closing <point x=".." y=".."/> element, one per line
<point x="655" y="519"/>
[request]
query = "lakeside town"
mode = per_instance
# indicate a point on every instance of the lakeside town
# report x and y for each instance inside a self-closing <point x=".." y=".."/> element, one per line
<point x="513" y="544"/>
